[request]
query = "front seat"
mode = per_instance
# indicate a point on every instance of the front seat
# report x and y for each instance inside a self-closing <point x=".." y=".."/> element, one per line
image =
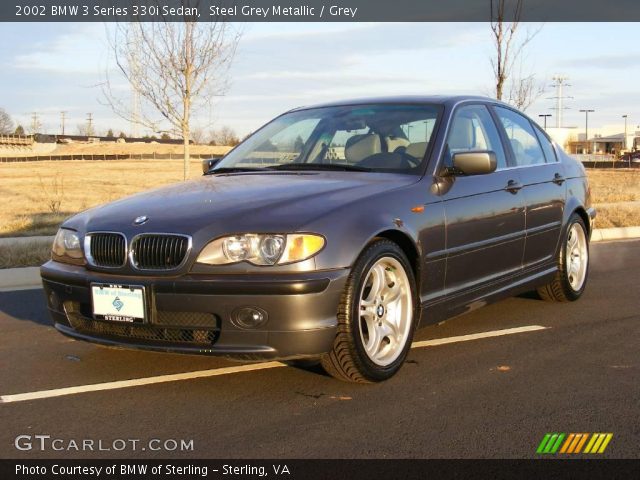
<point x="360" y="147"/>
<point x="417" y="150"/>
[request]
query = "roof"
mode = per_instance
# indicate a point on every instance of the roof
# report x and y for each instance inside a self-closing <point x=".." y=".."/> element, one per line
<point x="437" y="99"/>
<point x="618" y="137"/>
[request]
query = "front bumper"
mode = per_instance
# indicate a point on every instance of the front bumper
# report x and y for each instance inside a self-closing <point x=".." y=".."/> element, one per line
<point x="192" y="313"/>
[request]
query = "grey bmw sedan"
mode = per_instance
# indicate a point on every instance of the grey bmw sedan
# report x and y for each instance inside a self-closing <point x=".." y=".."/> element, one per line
<point x="331" y="234"/>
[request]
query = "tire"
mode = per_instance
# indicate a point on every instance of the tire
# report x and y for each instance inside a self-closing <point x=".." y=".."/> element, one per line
<point x="571" y="278"/>
<point x="303" y="363"/>
<point x="374" y="336"/>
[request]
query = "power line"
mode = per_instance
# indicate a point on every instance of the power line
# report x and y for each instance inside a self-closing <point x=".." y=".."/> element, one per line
<point x="559" y="82"/>
<point x="89" y="124"/>
<point x="35" y="123"/>
<point x="63" y="117"/>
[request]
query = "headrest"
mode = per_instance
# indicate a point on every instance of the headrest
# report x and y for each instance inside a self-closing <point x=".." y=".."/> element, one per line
<point x="461" y="137"/>
<point x="360" y="147"/>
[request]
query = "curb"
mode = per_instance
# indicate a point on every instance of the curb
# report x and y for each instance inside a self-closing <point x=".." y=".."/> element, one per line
<point x="621" y="233"/>
<point x="29" y="277"/>
<point x="19" y="278"/>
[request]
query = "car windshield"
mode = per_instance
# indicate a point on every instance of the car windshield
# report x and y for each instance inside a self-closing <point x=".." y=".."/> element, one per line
<point x="370" y="138"/>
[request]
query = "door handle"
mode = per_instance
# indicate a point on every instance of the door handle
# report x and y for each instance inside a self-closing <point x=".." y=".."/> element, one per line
<point x="513" y="186"/>
<point x="558" y="179"/>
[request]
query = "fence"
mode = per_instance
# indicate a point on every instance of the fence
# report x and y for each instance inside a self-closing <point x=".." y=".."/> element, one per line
<point x="85" y="157"/>
<point x="605" y="161"/>
<point x="16" y="140"/>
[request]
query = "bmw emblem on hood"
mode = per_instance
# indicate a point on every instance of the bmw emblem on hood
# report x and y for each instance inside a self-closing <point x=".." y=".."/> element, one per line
<point x="140" y="220"/>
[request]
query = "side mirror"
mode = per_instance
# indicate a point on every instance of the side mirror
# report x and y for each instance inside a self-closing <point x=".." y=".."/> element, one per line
<point x="475" y="163"/>
<point x="209" y="163"/>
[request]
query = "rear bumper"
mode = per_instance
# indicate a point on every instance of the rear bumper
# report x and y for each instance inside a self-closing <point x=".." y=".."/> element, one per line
<point x="193" y="313"/>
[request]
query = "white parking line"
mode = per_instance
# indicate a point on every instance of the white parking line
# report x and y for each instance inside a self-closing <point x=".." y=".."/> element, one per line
<point x="477" y="336"/>
<point x="136" y="382"/>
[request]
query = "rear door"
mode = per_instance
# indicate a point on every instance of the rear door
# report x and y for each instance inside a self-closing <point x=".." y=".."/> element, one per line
<point x="543" y="184"/>
<point x="485" y="225"/>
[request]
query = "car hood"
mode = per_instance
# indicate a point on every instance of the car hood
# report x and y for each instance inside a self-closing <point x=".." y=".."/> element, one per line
<point x="234" y="203"/>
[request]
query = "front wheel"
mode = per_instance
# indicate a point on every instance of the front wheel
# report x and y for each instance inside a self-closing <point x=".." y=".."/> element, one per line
<point x="376" y="316"/>
<point x="573" y="265"/>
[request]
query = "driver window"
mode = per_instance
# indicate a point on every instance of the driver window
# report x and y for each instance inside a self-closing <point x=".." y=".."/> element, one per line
<point x="473" y="129"/>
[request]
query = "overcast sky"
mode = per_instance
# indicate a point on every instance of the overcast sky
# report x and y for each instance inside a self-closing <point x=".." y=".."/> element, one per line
<point x="52" y="67"/>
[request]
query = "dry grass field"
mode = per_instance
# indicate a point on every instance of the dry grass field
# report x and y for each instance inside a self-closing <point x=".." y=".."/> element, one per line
<point x="108" y="148"/>
<point x="612" y="186"/>
<point x="27" y="253"/>
<point x="38" y="196"/>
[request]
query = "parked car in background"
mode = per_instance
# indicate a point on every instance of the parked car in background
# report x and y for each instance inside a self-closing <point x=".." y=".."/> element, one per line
<point x="630" y="157"/>
<point x="332" y="233"/>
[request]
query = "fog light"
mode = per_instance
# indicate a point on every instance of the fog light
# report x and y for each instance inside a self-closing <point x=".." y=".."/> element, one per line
<point x="54" y="302"/>
<point x="248" y="317"/>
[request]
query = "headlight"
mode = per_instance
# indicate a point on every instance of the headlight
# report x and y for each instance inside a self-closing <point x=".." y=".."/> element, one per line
<point x="66" y="247"/>
<point x="263" y="249"/>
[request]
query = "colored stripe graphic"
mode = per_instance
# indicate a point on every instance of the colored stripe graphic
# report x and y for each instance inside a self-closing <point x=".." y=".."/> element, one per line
<point x="543" y="443"/>
<point x="550" y="443"/>
<point x="598" y="443"/>
<point x="572" y="443"/>
<point x="581" y="443"/>
<point x="607" y="439"/>
<point x="567" y="443"/>
<point x="555" y="447"/>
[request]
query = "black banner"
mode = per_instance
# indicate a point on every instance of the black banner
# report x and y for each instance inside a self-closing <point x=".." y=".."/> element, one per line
<point x="314" y="10"/>
<point x="318" y="469"/>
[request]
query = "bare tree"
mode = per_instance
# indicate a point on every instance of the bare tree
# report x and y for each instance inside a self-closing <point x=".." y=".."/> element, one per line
<point x="173" y="68"/>
<point x="83" y="130"/>
<point x="6" y="124"/>
<point x="225" y="136"/>
<point x="525" y="90"/>
<point x="197" y="135"/>
<point x="508" y="49"/>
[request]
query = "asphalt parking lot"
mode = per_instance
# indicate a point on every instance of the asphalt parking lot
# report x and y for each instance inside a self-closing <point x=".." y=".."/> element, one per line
<point x="469" y="397"/>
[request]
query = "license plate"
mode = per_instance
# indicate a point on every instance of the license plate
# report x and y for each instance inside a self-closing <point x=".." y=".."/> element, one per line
<point x="118" y="303"/>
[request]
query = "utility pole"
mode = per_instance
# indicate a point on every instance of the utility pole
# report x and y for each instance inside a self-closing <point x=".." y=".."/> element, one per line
<point x="35" y="124"/>
<point x="559" y="84"/>
<point x="624" y="144"/>
<point x="63" y="117"/>
<point x="545" y="116"/>
<point x="586" y="127"/>
<point x="89" y="124"/>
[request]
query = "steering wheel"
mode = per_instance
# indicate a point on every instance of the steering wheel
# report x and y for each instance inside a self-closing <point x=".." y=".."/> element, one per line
<point x="412" y="161"/>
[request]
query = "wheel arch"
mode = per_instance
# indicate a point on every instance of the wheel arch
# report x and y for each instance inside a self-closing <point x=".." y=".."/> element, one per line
<point x="407" y="245"/>
<point x="585" y="218"/>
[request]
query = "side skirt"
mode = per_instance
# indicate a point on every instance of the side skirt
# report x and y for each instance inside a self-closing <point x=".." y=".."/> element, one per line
<point x="444" y="308"/>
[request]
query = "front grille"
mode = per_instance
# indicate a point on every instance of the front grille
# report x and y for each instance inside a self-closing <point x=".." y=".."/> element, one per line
<point x="205" y="336"/>
<point x="159" y="252"/>
<point x="186" y="319"/>
<point x="107" y="249"/>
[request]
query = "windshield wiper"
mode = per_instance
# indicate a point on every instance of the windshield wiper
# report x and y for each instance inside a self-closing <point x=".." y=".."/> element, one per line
<point x="234" y="170"/>
<point x="320" y="166"/>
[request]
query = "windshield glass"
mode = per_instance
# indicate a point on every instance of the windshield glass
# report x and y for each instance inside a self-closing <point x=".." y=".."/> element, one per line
<point x="379" y="138"/>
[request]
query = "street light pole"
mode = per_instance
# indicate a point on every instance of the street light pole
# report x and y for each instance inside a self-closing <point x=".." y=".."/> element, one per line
<point x="545" y="116"/>
<point x="624" y="145"/>
<point x="586" y="126"/>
